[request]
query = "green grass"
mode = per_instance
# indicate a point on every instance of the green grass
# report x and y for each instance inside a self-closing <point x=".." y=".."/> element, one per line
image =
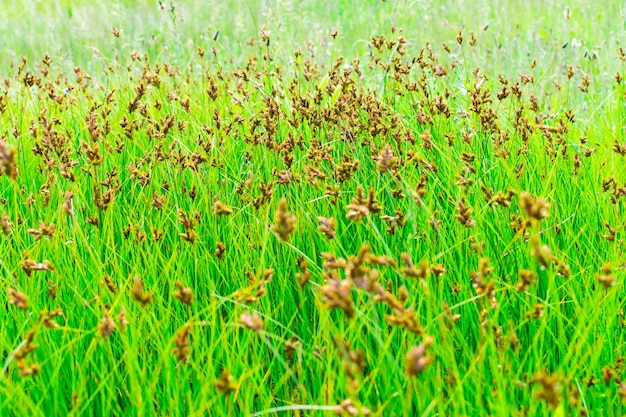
<point x="249" y="124"/>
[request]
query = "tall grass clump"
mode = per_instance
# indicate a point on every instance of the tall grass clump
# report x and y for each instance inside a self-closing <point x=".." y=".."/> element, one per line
<point x="244" y="221"/>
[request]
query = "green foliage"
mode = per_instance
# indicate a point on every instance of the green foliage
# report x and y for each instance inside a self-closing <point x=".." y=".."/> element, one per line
<point x="248" y="208"/>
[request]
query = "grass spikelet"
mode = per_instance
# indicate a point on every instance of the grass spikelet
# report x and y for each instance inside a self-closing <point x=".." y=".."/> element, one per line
<point x="284" y="221"/>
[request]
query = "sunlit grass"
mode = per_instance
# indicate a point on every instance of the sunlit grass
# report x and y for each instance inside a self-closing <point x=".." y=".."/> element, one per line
<point x="301" y="216"/>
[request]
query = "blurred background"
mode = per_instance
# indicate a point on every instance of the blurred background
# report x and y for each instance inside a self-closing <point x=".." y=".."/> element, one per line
<point x="79" y="32"/>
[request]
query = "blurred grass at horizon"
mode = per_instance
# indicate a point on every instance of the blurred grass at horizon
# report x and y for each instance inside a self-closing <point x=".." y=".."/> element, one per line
<point x="79" y="32"/>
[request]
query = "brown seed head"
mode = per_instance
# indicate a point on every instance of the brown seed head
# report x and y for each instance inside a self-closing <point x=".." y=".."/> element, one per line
<point x="5" y="224"/>
<point x="464" y="214"/>
<point x="28" y="265"/>
<point x="549" y="389"/>
<point x="220" y="248"/>
<point x="138" y="292"/>
<point x="605" y="276"/>
<point x="47" y="318"/>
<point x="327" y="226"/>
<point x="183" y="346"/>
<point x="526" y="278"/>
<point x="417" y="359"/>
<point x="183" y="294"/>
<point x="251" y="321"/>
<point x="221" y="209"/>
<point x="349" y="408"/>
<point x="106" y="326"/>
<point x="386" y="161"/>
<point x="337" y="293"/>
<point x="536" y="209"/>
<point x="420" y="271"/>
<point x="284" y="221"/>
<point x="8" y="162"/>
<point x="226" y="384"/>
<point x="17" y="298"/>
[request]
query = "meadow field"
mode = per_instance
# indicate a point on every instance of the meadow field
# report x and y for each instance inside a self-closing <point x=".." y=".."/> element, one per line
<point x="312" y="208"/>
